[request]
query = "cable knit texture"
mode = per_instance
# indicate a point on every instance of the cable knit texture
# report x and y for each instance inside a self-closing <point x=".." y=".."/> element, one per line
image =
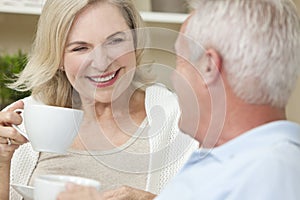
<point x="169" y="149"/>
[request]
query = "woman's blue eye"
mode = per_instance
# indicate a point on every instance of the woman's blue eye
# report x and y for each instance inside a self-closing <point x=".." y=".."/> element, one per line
<point x="79" y="49"/>
<point x="115" y="41"/>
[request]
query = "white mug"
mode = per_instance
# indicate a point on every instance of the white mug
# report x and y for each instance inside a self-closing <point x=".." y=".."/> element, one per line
<point x="47" y="187"/>
<point x="50" y="128"/>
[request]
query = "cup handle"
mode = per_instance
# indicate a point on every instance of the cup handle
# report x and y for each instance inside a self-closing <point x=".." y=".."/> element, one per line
<point x="22" y="132"/>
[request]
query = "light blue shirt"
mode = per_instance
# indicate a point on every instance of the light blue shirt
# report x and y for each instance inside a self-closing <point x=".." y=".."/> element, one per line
<point x="263" y="163"/>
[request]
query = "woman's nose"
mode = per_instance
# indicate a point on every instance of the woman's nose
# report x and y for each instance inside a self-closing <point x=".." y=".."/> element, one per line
<point x="99" y="58"/>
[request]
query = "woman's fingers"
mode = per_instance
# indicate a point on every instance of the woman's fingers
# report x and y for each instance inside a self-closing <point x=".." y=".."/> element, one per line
<point x="10" y="139"/>
<point x="9" y="117"/>
<point x="12" y="134"/>
<point x="16" y="105"/>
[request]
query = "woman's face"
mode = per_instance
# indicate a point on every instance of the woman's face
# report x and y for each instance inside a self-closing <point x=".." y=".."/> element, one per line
<point x="99" y="58"/>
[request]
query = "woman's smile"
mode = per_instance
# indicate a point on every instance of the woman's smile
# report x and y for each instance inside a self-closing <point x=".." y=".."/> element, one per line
<point x="104" y="80"/>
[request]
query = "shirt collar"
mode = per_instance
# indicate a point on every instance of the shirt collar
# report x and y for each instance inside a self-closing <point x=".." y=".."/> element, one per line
<point x="262" y="136"/>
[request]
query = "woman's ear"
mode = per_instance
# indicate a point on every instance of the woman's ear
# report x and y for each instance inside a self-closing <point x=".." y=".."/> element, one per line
<point x="210" y="66"/>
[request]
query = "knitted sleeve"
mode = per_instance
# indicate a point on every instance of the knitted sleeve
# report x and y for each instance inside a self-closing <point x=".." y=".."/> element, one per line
<point x="169" y="148"/>
<point x="23" y="162"/>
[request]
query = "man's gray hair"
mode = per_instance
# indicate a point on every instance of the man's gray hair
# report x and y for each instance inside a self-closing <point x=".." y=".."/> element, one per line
<point x="259" y="41"/>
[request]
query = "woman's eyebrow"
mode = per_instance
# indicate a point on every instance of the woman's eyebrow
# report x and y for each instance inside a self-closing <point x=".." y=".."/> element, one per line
<point x="121" y="33"/>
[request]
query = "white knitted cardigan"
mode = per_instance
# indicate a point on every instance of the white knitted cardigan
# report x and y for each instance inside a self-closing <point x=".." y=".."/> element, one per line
<point x="169" y="148"/>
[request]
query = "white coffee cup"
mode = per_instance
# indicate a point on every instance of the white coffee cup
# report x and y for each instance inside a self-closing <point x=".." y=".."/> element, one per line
<point x="50" y="128"/>
<point x="47" y="187"/>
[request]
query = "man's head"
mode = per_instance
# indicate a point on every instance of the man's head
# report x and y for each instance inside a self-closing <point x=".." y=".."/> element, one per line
<point x="249" y="48"/>
<point x="259" y="42"/>
<point x="191" y="80"/>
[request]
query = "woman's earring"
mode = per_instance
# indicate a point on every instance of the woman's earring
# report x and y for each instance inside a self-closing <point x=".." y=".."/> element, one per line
<point x="62" y="68"/>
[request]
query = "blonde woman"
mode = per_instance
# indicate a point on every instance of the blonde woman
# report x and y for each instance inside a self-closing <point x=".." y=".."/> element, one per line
<point x="85" y="56"/>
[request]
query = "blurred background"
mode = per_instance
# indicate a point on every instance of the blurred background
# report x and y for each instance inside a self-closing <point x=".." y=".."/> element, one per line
<point x="18" y="21"/>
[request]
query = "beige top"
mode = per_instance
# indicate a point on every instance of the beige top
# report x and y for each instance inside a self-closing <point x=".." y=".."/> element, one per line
<point x="168" y="146"/>
<point x="112" y="168"/>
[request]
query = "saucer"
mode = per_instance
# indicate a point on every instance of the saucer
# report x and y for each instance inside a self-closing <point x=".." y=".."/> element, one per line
<point x="24" y="190"/>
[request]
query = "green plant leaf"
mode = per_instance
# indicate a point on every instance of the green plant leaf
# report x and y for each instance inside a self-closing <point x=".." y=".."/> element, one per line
<point x="9" y="66"/>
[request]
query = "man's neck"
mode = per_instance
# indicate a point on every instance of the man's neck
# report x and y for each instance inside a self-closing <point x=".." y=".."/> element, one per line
<point x="240" y="119"/>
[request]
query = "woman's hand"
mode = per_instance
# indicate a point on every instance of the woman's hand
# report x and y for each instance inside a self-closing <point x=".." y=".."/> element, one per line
<point x="10" y="139"/>
<point x="89" y="193"/>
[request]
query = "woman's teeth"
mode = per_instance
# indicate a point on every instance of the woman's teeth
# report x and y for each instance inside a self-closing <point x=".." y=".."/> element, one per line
<point x="103" y="79"/>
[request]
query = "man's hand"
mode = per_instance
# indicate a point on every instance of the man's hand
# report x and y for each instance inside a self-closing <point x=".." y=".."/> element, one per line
<point x="89" y="193"/>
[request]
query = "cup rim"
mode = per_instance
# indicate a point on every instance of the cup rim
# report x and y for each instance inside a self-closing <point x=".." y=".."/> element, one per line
<point x="54" y="107"/>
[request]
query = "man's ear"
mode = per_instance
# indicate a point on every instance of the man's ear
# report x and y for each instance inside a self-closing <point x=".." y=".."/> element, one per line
<point x="210" y="66"/>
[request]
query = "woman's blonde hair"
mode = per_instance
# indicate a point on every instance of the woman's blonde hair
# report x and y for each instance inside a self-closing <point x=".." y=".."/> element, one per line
<point x="42" y="74"/>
